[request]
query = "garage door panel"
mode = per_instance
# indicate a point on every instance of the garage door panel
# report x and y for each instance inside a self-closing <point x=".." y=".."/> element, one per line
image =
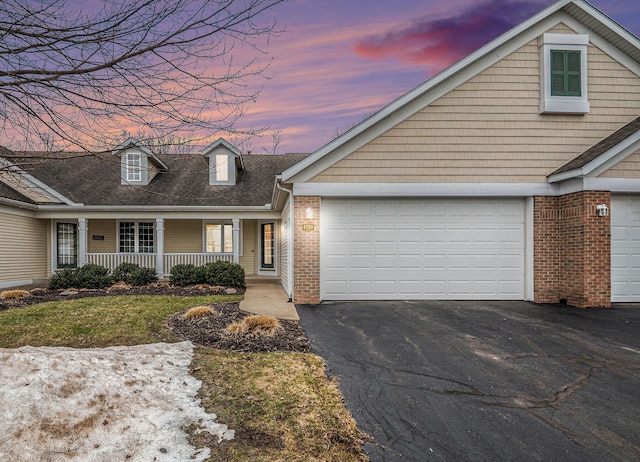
<point x="625" y="248"/>
<point x="437" y="249"/>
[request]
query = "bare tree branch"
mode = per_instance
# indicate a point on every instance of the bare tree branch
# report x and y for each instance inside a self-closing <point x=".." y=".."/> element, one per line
<point x="75" y="79"/>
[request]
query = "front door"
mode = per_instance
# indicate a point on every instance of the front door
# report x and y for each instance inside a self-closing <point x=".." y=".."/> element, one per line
<point x="267" y="246"/>
<point x="67" y="245"/>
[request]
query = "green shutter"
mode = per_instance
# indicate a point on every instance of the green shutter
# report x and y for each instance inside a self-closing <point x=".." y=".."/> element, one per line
<point x="565" y="73"/>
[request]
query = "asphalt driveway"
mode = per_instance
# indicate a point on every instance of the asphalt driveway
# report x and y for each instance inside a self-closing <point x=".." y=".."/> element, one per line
<point x="485" y="381"/>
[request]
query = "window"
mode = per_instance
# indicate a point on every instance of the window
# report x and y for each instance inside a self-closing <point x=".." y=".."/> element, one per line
<point x="67" y="249"/>
<point x="222" y="167"/>
<point x="267" y="246"/>
<point x="219" y="238"/>
<point x="136" y="237"/>
<point x="563" y="60"/>
<point x="565" y="73"/>
<point x="133" y="165"/>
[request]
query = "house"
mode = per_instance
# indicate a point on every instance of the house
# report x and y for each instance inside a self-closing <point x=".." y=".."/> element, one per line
<point x="513" y="175"/>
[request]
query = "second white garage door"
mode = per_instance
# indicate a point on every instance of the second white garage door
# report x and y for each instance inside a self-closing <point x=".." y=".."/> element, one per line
<point x="452" y="249"/>
<point x="625" y="248"/>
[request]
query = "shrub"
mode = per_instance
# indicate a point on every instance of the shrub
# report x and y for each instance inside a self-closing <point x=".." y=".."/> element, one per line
<point x="63" y="279"/>
<point x="92" y="276"/>
<point x="143" y="277"/>
<point x="183" y="275"/>
<point x="224" y="273"/>
<point x="124" y="271"/>
<point x="134" y="275"/>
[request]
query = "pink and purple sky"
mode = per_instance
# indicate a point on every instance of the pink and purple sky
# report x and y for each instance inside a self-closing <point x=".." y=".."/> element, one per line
<point x="341" y="60"/>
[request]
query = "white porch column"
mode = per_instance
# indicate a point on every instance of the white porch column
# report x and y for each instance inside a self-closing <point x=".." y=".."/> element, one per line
<point x="82" y="241"/>
<point x="160" y="247"/>
<point x="236" y="240"/>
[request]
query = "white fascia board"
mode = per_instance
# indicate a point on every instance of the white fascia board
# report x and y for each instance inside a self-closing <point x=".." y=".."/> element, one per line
<point x="171" y="213"/>
<point x="603" y="44"/>
<point x="603" y="162"/>
<point x="221" y="142"/>
<point x="6" y="206"/>
<point x="424" y="189"/>
<point x="608" y="22"/>
<point x="416" y="190"/>
<point x="17" y="204"/>
<point x="425" y="94"/>
<point x="615" y="185"/>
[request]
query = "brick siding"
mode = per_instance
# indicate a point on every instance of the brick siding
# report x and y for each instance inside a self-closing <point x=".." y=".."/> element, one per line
<point x="306" y="278"/>
<point x="572" y="250"/>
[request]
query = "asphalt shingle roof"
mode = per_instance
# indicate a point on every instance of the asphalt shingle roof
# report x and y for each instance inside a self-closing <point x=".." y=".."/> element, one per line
<point x="7" y="192"/>
<point x="95" y="180"/>
<point x="600" y="148"/>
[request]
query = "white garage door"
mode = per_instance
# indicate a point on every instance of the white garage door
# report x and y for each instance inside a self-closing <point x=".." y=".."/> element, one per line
<point x="422" y="249"/>
<point x="625" y="249"/>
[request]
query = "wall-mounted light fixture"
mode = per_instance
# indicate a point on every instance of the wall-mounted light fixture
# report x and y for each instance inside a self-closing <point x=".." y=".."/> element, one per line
<point x="603" y="210"/>
<point x="309" y="213"/>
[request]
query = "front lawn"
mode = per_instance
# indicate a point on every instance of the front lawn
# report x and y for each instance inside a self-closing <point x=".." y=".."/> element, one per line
<point x="282" y="405"/>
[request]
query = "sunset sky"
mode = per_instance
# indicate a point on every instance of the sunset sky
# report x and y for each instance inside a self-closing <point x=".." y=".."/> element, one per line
<point x="341" y="60"/>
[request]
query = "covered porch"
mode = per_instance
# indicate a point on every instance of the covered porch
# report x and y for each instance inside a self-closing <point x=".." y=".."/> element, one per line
<point x="162" y="243"/>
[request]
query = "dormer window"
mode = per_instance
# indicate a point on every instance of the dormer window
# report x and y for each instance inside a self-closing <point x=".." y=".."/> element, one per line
<point x="225" y="161"/>
<point x="138" y="164"/>
<point x="133" y="166"/>
<point x="222" y="168"/>
<point x="563" y="73"/>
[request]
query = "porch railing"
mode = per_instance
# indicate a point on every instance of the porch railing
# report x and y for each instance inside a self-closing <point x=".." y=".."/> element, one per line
<point x="196" y="259"/>
<point x="111" y="260"/>
<point x="148" y="260"/>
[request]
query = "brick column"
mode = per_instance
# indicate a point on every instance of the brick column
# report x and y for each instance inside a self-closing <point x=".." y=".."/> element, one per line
<point x="306" y="235"/>
<point x="546" y="251"/>
<point x="572" y="250"/>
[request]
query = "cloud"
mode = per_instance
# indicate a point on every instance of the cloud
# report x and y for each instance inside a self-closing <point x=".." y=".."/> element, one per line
<point x="441" y="41"/>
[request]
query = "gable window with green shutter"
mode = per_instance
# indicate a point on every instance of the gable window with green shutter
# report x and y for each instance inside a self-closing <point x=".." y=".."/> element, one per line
<point x="563" y="73"/>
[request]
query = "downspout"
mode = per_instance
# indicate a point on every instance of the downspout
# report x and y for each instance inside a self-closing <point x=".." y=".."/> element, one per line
<point x="291" y="237"/>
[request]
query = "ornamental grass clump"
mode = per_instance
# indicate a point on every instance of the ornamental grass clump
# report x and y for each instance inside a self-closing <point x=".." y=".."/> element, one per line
<point x="198" y="312"/>
<point x="14" y="294"/>
<point x="255" y="326"/>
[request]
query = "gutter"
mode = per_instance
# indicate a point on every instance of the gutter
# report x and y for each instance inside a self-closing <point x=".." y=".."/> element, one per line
<point x="291" y="229"/>
<point x="18" y="204"/>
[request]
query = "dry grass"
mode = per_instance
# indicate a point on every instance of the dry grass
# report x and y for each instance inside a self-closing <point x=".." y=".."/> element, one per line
<point x="120" y="285"/>
<point x="13" y="294"/>
<point x="255" y="325"/>
<point x="198" y="312"/>
<point x="282" y="407"/>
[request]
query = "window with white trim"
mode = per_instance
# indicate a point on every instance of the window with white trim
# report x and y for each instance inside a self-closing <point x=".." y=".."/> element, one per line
<point x="222" y="168"/>
<point x="563" y="67"/>
<point x="136" y="237"/>
<point x="219" y="238"/>
<point x="133" y="166"/>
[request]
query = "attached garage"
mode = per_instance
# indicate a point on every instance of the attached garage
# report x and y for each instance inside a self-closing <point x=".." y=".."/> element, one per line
<point x="422" y="249"/>
<point x="625" y="248"/>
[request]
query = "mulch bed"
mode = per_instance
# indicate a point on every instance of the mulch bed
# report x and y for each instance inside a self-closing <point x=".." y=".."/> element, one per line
<point x="210" y="331"/>
<point x="207" y="331"/>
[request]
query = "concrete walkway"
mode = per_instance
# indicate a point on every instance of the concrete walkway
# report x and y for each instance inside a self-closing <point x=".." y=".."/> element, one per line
<point x="268" y="298"/>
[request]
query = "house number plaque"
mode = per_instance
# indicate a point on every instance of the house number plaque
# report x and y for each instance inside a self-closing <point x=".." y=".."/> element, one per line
<point x="308" y="227"/>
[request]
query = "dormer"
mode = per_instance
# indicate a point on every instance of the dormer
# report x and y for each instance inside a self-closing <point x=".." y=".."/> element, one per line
<point x="225" y="161"/>
<point x="138" y="164"/>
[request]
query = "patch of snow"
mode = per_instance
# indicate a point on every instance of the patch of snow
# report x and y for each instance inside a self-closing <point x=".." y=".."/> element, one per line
<point x="119" y="403"/>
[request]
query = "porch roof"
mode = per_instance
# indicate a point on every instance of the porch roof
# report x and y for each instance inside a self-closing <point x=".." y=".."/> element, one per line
<point x="95" y="180"/>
